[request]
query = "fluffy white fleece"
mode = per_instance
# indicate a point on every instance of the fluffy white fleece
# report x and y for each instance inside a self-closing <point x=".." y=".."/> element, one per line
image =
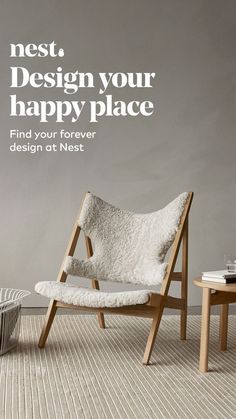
<point x="84" y="297"/>
<point x="128" y="247"/>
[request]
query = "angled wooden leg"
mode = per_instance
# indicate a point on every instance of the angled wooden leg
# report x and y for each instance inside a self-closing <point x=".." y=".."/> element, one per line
<point x="152" y="335"/>
<point x="184" y="283"/>
<point x="52" y="308"/>
<point x="62" y="276"/>
<point x="100" y="316"/>
<point x="224" y="308"/>
<point x="205" y="329"/>
<point x="101" y="320"/>
<point x="95" y="283"/>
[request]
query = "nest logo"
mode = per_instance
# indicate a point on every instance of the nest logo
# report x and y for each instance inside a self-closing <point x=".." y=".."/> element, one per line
<point x="33" y="50"/>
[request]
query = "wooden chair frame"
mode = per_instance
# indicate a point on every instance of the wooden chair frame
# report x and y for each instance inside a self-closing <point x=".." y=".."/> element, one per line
<point x="158" y="301"/>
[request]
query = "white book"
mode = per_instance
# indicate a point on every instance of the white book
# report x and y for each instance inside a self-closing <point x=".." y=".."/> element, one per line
<point x="219" y="274"/>
<point x="231" y="280"/>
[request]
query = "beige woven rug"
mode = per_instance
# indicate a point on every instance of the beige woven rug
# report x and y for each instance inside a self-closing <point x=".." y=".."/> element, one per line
<point x="86" y="372"/>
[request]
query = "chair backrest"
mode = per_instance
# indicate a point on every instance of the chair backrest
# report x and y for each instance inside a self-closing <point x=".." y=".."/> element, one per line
<point x="128" y="247"/>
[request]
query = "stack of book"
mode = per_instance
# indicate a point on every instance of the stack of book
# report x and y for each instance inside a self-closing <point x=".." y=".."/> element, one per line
<point x="222" y="277"/>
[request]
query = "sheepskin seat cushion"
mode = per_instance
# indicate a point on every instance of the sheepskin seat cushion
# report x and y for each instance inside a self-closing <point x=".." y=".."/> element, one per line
<point x="84" y="297"/>
<point x="127" y="247"/>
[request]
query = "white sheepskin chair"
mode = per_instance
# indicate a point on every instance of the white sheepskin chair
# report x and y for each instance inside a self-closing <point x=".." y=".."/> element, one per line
<point x="124" y="247"/>
<point x="127" y="247"/>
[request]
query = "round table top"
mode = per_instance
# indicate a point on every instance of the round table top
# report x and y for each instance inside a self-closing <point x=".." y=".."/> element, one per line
<point x="214" y="285"/>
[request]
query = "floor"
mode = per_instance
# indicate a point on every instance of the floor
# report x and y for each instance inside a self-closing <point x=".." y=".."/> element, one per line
<point x="86" y="372"/>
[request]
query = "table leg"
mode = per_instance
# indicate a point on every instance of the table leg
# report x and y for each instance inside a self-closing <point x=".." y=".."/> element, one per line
<point x="224" y="309"/>
<point x="205" y="329"/>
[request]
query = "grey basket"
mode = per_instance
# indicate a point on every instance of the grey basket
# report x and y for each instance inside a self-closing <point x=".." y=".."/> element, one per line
<point x="10" y="315"/>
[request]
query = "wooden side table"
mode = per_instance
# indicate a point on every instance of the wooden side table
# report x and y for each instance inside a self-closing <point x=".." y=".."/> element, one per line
<point x="214" y="294"/>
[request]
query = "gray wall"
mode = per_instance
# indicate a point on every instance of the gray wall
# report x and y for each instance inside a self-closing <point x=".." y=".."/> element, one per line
<point x="138" y="164"/>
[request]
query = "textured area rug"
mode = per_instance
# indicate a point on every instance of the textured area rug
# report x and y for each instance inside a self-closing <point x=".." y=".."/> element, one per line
<point x="86" y="372"/>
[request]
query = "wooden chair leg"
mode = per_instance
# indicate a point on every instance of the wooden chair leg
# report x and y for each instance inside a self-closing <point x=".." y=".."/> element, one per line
<point x="52" y="308"/>
<point x="183" y="324"/>
<point x="101" y="320"/>
<point x="224" y="308"/>
<point x="184" y="283"/>
<point x="95" y="283"/>
<point x="152" y="336"/>
<point x="100" y="316"/>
